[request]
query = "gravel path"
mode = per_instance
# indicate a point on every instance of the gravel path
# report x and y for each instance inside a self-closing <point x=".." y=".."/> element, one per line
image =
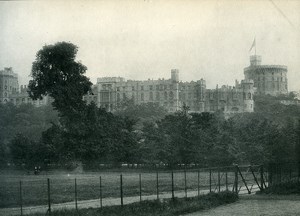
<point x="257" y="205"/>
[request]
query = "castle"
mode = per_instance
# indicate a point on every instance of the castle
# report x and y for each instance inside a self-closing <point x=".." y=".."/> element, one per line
<point x="171" y="93"/>
<point x="10" y="91"/>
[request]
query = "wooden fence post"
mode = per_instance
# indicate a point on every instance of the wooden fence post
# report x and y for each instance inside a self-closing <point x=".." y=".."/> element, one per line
<point x="198" y="183"/>
<point x="100" y="191"/>
<point x="140" y="186"/>
<point x="121" y="189"/>
<point x="185" y="186"/>
<point x="261" y="177"/>
<point x="21" y="198"/>
<point x="219" y="180"/>
<point x="236" y="180"/>
<point x="210" y="180"/>
<point x="76" y="206"/>
<point x="226" y="180"/>
<point x="172" y="176"/>
<point x="157" y="191"/>
<point x="49" y="202"/>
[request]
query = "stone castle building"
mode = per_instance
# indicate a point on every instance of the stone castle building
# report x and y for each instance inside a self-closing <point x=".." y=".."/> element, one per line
<point x="172" y="94"/>
<point x="268" y="79"/>
<point x="10" y="91"/>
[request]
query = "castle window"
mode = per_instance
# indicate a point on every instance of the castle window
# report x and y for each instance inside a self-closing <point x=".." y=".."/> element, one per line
<point x="124" y="95"/>
<point x="132" y="88"/>
<point x="124" y="88"/>
<point x="157" y="87"/>
<point x="151" y="95"/>
<point x="157" y="96"/>
<point x="190" y="95"/>
<point x="249" y="96"/>
<point x="118" y="97"/>
<point x="5" y="87"/>
<point x="142" y="88"/>
<point x="5" y="94"/>
<point x="151" y="87"/>
<point x="142" y="96"/>
<point x="171" y="95"/>
<point x="166" y="95"/>
<point x="118" y="88"/>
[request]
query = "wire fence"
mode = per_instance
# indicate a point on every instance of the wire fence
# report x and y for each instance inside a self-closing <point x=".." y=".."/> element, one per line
<point x="47" y="193"/>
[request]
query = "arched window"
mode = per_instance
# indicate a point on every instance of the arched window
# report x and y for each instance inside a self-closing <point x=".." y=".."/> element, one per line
<point x="249" y="96"/>
<point x="5" y="94"/>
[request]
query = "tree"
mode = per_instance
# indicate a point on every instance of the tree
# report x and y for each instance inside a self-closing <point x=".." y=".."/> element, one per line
<point x="56" y="73"/>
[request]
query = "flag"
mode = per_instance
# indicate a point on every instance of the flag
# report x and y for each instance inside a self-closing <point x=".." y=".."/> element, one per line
<point x="253" y="45"/>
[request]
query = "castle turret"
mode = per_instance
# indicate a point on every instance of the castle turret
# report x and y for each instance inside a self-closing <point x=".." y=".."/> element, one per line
<point x="175" y="75"/>
<point x="248" y="91"/>
<point x="255" y="60"/>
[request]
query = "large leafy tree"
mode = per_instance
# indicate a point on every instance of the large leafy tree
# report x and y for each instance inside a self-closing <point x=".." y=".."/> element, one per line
<point x="56" y="73"/>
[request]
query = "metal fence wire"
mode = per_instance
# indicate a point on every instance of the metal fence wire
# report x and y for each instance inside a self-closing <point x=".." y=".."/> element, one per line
<point x="52" y="192"/>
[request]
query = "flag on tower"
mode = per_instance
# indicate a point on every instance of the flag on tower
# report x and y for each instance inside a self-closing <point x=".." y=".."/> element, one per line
<point x="253" y="45"/>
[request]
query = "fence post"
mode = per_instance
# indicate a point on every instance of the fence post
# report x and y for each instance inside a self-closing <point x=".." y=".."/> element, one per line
<point x="219" y="180"/>
<point x="226" y="180"/>
<point x="49" y="202"/>
<point x="185" y="186"/>
<point x="198" y="183"/>
<point x="76" y="195"/>
<point x="140" y="185"/>
<point x="21" y="198"/>
<point x="157" y="191"/>
<point x="262" y="177"/>
<point x="121" y="189"/>
<point x="236" y="180"/>
<point x="100" y="191"/>
<point x="210" y="180"/>
<point x="172" y="175"/>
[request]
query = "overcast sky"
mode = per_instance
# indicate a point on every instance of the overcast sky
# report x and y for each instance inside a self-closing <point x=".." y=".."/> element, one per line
<point x="146" y="39"/>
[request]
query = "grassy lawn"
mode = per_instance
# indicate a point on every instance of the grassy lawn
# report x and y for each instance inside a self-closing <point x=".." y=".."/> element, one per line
<point x="284" y="188"/>
<point x="164" y="208"/>
<point x="62" y="185"/>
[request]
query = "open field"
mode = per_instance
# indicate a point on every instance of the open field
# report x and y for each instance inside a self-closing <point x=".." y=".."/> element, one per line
<point x="62" y="185"/>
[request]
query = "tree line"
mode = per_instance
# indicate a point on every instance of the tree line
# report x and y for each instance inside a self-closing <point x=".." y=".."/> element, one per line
<point x="71" y="130"/>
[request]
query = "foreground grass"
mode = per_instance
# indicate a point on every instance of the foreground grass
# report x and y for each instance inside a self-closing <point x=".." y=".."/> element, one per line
<point x="169" y="207"/>
<point x="62" y="189"/>
<point x="284" y="188"/>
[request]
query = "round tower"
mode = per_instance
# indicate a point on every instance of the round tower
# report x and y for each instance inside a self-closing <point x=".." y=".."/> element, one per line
<point x="268" y="79"/>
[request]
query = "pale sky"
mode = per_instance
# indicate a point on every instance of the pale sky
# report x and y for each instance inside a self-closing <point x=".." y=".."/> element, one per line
<point x="146" y="39"/>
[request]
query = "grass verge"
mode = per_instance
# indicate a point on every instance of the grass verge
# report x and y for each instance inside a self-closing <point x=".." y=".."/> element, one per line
<point x="167" y="207"/>
<point x="284" y="188"/>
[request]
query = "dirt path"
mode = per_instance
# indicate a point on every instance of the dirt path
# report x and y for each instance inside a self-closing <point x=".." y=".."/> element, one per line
<point x="257" y="205"/>
<point x="96" y="203"/>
